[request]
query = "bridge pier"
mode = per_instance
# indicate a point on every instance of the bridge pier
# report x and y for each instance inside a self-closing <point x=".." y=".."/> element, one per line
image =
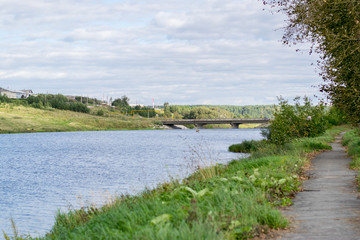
<point x="199" y="125"/>
<point x="235" y="125"/>
<point x="173" y="126"/>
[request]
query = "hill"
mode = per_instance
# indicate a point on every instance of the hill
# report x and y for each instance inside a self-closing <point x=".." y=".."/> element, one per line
<point x="17" y="118"/>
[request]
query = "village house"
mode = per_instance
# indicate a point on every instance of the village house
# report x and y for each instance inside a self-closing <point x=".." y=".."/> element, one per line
<point x="16" y="94"/>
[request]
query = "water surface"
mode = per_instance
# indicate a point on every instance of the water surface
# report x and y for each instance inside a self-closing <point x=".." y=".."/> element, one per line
<point x="43" y="172"/>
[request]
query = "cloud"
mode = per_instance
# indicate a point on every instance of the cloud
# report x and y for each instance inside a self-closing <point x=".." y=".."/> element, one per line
<point x="182" y="52"/>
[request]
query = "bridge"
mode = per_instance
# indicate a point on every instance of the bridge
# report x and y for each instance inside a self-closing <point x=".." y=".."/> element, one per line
<point x="199" y="123"/>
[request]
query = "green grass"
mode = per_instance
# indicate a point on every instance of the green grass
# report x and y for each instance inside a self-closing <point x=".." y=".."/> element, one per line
<point x="235" y="201"/>
<point x="351" y="139"/>
<point x="16" y="119"/>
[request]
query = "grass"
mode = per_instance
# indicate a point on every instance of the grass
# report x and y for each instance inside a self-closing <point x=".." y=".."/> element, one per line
<point x="21" y="119"/>
<point x="235" y="201"/>
<point x="351" y="139"/>
<point x="16" y="119"/>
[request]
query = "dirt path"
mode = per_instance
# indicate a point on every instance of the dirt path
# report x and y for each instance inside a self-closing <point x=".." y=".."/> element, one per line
<point x="328" y="208"/>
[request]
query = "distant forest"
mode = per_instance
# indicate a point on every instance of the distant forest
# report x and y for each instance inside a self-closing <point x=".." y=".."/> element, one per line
<point x="219" y="111"/>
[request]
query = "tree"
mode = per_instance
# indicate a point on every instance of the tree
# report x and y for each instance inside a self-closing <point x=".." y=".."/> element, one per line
<point x="122" y="103"/>
<point x="207" y="113"/>
<point x="167" y="112"/>
<point x="333" y="28"/>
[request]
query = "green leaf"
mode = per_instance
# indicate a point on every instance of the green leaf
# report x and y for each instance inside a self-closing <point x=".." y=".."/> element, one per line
<point x="161" y="219"/>
<point x="282" y="181"/>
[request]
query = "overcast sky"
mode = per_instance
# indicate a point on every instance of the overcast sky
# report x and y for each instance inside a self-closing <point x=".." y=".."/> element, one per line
<point x="176" y="51"/>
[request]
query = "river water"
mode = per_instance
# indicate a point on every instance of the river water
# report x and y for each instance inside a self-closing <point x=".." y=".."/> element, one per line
<point x="42" y="173"/>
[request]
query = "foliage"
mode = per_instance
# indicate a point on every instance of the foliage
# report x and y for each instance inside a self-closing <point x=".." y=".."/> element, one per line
<point x="295" y="121"/>
<point x="207" y="113"/>
<point x="87" y="100"/>
<point x="100" y="112"/>
<point x="147" y="112"/>
<point x="167" y="112"/>
<point x="4" y="99"/>
<point x="256" y="111"/>
<point x="335" y="116"/>
<point x="56" y="101"/>
<point x="351" y="139"/>
<point x="333" y="28"/>
<point x="122" y="104"/>
<point x="247" y="146"/>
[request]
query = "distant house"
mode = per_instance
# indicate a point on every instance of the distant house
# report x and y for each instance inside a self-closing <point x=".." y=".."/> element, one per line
<point x="15" y="94"/>
<point x="27" y="92"/>
<point x="69" y="97"/>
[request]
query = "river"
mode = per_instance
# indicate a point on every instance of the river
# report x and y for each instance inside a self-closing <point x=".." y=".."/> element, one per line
<point x="41" y="173"/>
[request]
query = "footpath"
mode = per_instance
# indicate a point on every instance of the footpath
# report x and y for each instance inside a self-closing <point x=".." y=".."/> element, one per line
<point x="329" y="206"/>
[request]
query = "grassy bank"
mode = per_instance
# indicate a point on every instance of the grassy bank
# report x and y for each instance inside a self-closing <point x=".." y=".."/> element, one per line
<point x="236" y="201"/>
<point x="15" y="119"/>
<point x="351" y="139"/>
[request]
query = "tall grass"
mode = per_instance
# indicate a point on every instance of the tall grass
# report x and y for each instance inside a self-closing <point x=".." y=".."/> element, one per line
<point x="351" y="139"/>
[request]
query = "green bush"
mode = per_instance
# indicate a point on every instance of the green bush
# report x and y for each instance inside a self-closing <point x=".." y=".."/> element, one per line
<point x="4" y="99"/>
<point x="246" y="146"/>
<point x="335" y="116"/>
<point x="100" y="112"/>
<point x="295" y="121"/>
<point x="351" y="139"/>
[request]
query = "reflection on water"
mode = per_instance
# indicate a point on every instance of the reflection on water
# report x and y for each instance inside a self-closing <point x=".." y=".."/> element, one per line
<point x="43" y="172"/>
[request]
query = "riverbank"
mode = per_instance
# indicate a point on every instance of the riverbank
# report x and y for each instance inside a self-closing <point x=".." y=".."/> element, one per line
<point x="236" y="201"/>
<point x="21" y="119"/>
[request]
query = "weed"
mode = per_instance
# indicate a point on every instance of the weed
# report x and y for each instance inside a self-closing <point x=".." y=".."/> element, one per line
<point x="351" y="139"/>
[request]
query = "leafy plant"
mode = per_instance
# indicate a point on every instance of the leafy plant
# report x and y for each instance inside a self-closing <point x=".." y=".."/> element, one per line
<point x="246" y="146"/>
<point x="295" y="121"/>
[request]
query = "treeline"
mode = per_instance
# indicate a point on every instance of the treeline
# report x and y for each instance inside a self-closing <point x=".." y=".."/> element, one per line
<point x="221" y="111"/>
<point x="49" y="101"/>
<point x="122" y="105"/>
<point x="57" y="101"/>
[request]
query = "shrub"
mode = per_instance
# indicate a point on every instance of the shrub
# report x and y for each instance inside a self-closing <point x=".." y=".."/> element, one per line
<point x="4" y="99"/>
<point x="78" y="107"/>
<point x="246" y="146"/>
<point x="100" y="112"/>
<point x="335" y="116"/>
<point x="295" y="121"/>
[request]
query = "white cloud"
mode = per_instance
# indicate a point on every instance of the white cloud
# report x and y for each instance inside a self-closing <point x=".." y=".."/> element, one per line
<point x="183" y="52"/>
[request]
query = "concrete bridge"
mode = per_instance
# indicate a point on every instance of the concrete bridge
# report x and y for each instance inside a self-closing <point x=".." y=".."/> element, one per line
<point x="199" y="123"/>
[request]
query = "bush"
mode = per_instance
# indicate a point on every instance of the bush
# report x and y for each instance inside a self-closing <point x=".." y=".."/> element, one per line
<point x="4" y="99"/>
<point x="246" y="146"/>
<point x="295" y="121"/>
<point x="78" y="107"/>
<point x="100" y="112"/>
<point x="335" y="117"/>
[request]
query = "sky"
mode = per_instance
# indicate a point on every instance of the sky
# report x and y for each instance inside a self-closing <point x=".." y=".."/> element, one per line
<point x="177" y="51"/>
